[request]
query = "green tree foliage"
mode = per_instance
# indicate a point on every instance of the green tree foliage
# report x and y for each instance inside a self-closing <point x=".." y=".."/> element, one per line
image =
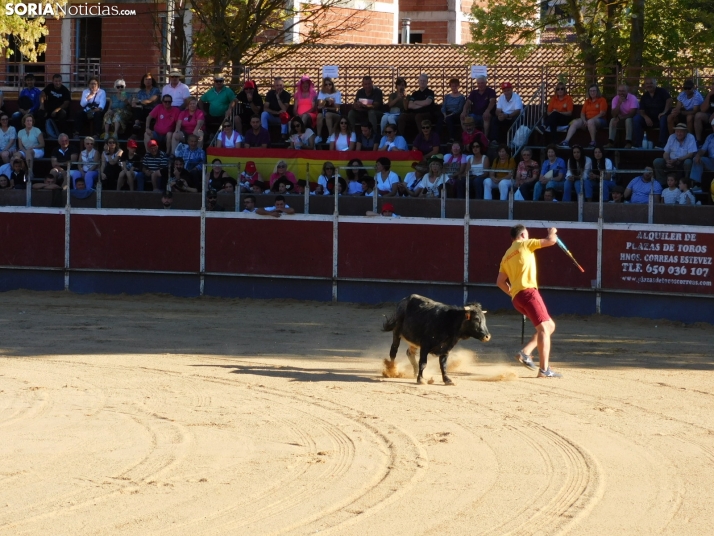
<point x="25" y="32"/>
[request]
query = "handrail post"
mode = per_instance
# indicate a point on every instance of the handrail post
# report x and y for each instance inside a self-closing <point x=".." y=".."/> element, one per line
<point x="306" y="193"/>
<point x="600" y="224"/>
<point x="202" y="257"/>
<point x="581" y="198"/>
<point x="650" y="206"/>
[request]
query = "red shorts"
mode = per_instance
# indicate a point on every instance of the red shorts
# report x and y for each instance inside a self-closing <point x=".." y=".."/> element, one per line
<point x="528" y="302"/>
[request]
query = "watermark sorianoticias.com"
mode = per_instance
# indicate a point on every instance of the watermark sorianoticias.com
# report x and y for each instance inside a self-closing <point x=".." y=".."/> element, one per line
<point x="55" y="9"/>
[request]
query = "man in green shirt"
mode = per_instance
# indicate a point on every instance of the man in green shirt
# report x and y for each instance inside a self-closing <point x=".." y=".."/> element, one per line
<point x="220" y="99"/>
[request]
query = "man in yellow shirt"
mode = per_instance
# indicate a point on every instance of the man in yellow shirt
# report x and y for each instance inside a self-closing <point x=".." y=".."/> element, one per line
<point x="517" y="278"/>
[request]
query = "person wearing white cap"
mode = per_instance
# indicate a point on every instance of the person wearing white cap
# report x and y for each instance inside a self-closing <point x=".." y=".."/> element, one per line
<point x="178" y="90"/>
<point x="678" y="153"/>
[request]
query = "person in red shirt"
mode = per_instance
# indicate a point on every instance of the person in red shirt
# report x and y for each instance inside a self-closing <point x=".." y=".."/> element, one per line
<point x="164" y="118"/>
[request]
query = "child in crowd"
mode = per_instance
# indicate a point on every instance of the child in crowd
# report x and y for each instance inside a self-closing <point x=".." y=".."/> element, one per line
<point x="549" y="195"/>
<point x="686" y="197"/>
<point x="670" y="195"/>
<point x="618" y="195"/>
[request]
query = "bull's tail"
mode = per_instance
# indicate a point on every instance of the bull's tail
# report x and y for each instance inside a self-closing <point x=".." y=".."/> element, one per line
<point x="389" y="323"/>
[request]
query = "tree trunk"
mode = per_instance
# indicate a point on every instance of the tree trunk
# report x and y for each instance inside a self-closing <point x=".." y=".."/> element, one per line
<point x="611" y="63"/>
<point x="637" y="39"/>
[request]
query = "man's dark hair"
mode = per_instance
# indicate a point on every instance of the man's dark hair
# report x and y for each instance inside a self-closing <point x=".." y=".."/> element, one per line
<point x="386" y="162"/>
<point x="179" y="158"/>
<point x="516" y="230"/>
<point x="251" y="197"/>
<point x="29" y="76"/>
<point x="366" y="125"/>
<point x="255" y="117"/>
<point x="279" y="198"/>
<point x="56" y="76"/>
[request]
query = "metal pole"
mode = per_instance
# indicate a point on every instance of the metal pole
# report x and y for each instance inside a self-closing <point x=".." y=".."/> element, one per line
<point x="374" y="197"/>
<point x="467" y="220"/>
<point x="335" y="223"/>
<point x="598" y="277"/>
<point x="28" y="190"/>
<point x="581" y="197"/>
<point x="202" y="258"/>
<point x="511" y="197"/>
<point x="67" y="210"/>
<point x="443" y="199"/>
<point x="99" y="190"/>
<point x="650" y="207"/>
<point x="307" y="189"/>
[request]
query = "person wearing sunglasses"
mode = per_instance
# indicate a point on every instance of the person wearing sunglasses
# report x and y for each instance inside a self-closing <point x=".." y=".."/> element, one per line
<point x="560" y="112"/>
<point x="218" y="102"/>
<point x="178" y="91"/>
<point x="343" y="139"/>
<point x="55" y="100"/>
<point x="164" y="118"/>
<point x="118" y="113"/>
<point x="427" y="141"/>
<point x="328" y="107"/>
<point x="300" y="137"/>
<point x="145" y="100"/>
<point x="93" y="104"/>
<point x="391" y="142"/>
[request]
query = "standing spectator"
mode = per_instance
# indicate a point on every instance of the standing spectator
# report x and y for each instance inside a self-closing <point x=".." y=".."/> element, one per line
<point x="93" y="102"/>
<point x="560" y="112"/>
<point x="454" y="103"/>
<point x="277" y="104"/>
<point x="501" y="180"/>
<point x="189" y="121"/>
<point x="579" y="167"/>
<point x="471" y="134"/>
<point x="228" y="137"/>
<point x="397" y="104"/>
<point x="367" y="106"/>
<point x="88" y="170"/>
<point x="62" y="158"/>
<point x="8" y="138"/>
<point x="481" y="104"/>
<point x="689" y="103"/>
<point x="641" y="187"/>
<point x="655" y="105"/>
<point x="704" y="119"/>
<point x="257" y="137"/>
<point x="111" y="167"/>
<point x="391" y="142"/>
<point x="508" y="107"/>
<point x="250" y="103"/>
<point x="54" y="104"/>
<point x="281" y="171"/>
<point x="28" y="101"/>
<point x="165" y="117"/>
<point x="421" y="107"/>
<point x="30" y="142"/>
<point x="592" y="116"/>
<point x="130" y="166"/>
<point x="194" y="157"/>
<point x="117" y="113"/>
<point x="477" y="173"/>
<point x="342" y="139"/>
<point x="526" y="176"/>
<point x="220" y="101"/>
<point x="178" y="91"/>
<point x="624" y="107"/>
<point x="678" y="153"/>
<point x="701" y="161"/>
<point x="552" y="173"/>
<point x="145" y="100"/>
<point x="602" y="168"/>
<point x="328" y="107"/>
<point x="367" y="139"/>
<point x="385" y="180"/>
<point x="305" y="102"/>
<point x="300" y="137"/>
<point x="155" y="166"/>
<point x="427" y="141"/>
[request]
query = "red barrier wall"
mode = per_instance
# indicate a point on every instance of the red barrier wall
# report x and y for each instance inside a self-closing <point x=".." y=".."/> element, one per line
<point x="401" y="252"/>
<point x="125" y="242"/>
<point x="32" y="240"/>
<point x="267" y="246"/>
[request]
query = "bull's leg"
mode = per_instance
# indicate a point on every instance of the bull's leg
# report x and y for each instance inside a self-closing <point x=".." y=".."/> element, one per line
<point x="396" y="338"/>
<point x="411" y="354"/>
<point x="422" y="365"/>
<point x="442" y="363"/>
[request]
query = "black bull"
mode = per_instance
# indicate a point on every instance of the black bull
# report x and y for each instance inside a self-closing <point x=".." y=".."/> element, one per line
<point x="435" y="328"/>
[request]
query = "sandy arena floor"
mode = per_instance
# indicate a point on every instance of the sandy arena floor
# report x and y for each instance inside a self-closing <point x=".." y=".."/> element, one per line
<point x="158" y="415"/>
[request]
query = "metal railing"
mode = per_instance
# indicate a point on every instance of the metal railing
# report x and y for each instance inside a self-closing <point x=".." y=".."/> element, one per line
<point x="521" y="129"/>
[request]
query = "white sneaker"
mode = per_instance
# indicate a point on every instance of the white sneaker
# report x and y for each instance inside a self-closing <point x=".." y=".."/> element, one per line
<point x="318" y="139"/>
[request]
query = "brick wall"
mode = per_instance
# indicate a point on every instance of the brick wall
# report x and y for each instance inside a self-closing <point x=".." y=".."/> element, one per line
<point x="466" y="33"/>
<point x="378" y="28"/>
<point x="423" y="5"/>
<point x="434" y="32"/>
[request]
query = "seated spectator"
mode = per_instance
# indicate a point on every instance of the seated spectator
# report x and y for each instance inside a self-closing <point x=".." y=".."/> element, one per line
<point x="385" y="180"/>
<point x="451" y="110"/>
<point x="471" y="134"/>
<point x="88" y="169"/>
<point x="111" y="167"/>
<point x="145" y="100"/>
<point x="165" y="117"/>
<point x="686" y="197"/>
<point x="180" y="180"/>
<point x="179" y="92"/>
<point x="579" y="167"/>
<point x="602" y="170"/>
<point x="501" y="180"/>
<point x="18" y="175"/>
<point x="228" y="137"/>
<point x="249" y="204"/>
<point x="477" y="164"/>
<point x="480" y="105"/>
<point x="367" y="139"/>
<point x="230" y="185"/>
<point x="276" y="108"/>
<point x="130" y="168"/>
<point x="702" y="162"/>
<point x="258" y="187"/>
<point x="212" y="202"/>
<point x="624" y="108"/>
<point x="191" y="121"/>
<point x="28" y="101"/>
<point x="689" y="103"/>
<point x="456" y="163"/>
<point x="342" y="139"/>
<point x="670" y="194"/>
<point x="55" y="100"/>
<point x="678" y="153"/>
<point x="256" y="137"/>
<point x="328" y="108"/>
<point x="433" y="182"/>
<point x="155" y="166"/>
<point x="397" y="103"/>
<point x="420" y="107"/>
<point x="81" y="189"/>
<point x="640" y="188"/>
<point x="413" y="179"/>
<point x="327" y="177"/>
<point x="367" y="186"/>
<point x="305" y="106"/>
<point x="217" y="175"/>
<point x="386" y="212"/>
<point x="194" y="157"/>
<point x="62" y="158"/>
<point x="367" y="106"/>
<point x="341" y="186"/>
<point x="30" y="142"/>
<point x="549" y="195"/>
<point x="592" y="116"/>
<point x="655" y="105"/>
<point x="427" y="141"/>
<point x="527" y="174"/>
<point x="391" y="142"/>
<point x="508" y="107"/>
<point x="218" y="102"/>
<point x="281" y="170"/>
<point x="250" y="103"/>
<point x="8" y="138"/>
<point x="247" y="177"/>
<point x="118" y="112"/>
<point x="5" y="183"/>
<point x="167" y="200"/>
<point x="282" y="186"/>
<point x="277" y="210"/>
<point x="355" y="176"/>
<point x="618" y="195"/>
<point x="559" y="114"/>
<point x="93" y="103"/>
<point x="704" y="119"/>
<point x="552" y="173"/>
<point x="300" y="137"/>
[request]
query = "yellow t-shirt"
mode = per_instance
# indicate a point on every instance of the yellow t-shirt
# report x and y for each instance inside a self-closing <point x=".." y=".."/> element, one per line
<point x="519" y="265"/>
